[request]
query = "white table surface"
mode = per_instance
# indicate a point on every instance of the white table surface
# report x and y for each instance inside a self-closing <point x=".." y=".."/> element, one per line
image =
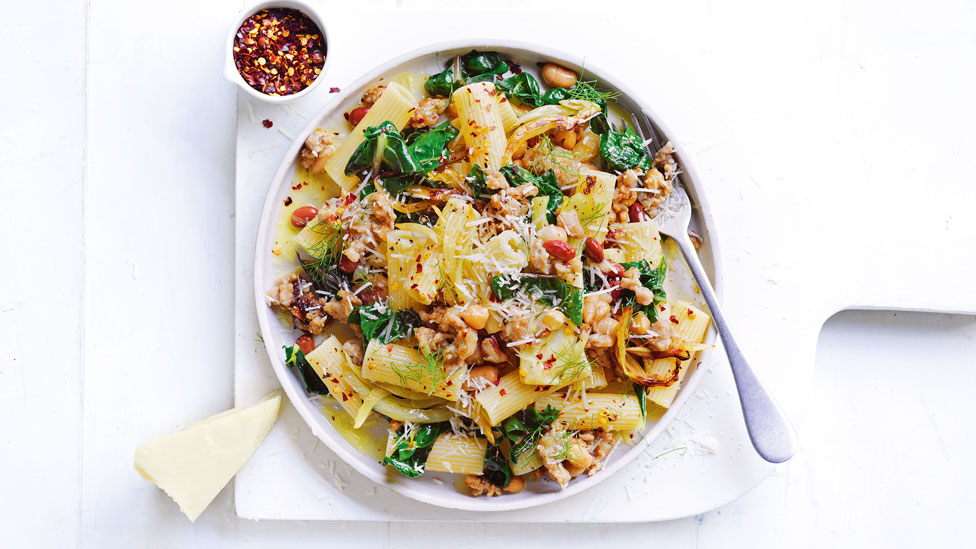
<point x="116" y="219"/>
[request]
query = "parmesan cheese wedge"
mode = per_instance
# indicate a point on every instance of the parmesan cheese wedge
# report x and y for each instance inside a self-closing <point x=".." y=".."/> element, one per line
<point x="194" y="464"/>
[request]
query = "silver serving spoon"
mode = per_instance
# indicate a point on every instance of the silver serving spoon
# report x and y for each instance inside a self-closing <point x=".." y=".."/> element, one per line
<point x="769" y="429"/>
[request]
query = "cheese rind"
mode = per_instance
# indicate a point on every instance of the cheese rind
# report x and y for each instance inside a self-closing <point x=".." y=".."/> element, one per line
<point x="194" y="464"/>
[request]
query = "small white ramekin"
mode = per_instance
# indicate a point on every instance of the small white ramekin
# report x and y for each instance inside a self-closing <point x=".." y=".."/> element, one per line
<point x="230" y="68"/>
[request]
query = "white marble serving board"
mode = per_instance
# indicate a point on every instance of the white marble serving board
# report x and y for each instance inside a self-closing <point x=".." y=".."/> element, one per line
<point x="799" y="242"/>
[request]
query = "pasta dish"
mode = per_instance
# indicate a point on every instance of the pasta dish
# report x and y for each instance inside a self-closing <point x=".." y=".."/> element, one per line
<point x="478" y="275"/>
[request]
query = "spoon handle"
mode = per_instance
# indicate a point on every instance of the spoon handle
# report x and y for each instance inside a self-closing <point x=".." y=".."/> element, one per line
<point x="769" y="429"/>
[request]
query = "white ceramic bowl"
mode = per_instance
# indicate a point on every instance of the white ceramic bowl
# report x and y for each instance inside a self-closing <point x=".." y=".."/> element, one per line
<point x="230" y="68"/>
<point x="426" y="61"/>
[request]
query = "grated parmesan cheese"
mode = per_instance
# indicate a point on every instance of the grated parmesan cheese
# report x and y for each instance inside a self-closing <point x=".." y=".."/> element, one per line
<point x="522" y="342"/>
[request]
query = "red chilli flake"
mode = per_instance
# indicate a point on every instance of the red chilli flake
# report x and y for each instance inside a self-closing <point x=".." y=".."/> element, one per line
<point x="279" y="51"/>
<point x="267" y="123"/>
<point x="503" y="392"/>
<point x="333" y="90"/>
<point x="287" y="201"/>
<point x="674" y="319"/>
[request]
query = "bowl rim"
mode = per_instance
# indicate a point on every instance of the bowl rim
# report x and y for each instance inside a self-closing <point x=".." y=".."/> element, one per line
<point x="296" y="393"/>
<point x="230" y="67"/>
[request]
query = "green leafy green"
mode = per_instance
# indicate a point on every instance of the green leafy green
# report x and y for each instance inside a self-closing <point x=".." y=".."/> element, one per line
<point x="296" y="358"/>
<point x="517" y="175"/>
<point x="428" y="219"/>
<point x="476" y="63"/>
<point x="443" y="83"/>
<point x="475" y="66"/>
<point x="652" y="279"/>
<point x="385" y="144"/>
<point x="408" y="158"/>
<point x="477" y="181"/>
<point x="554" y="95"/>
<point x="368" y="189"/>
<point x="497" y="469"/>
<point x="379" y="321"/>
<point x="524" y="87"/>
<point x="411" y="449"/>
<point x="599" y="123"/>
<point x="546" y="289"/>
<point x="525" y="428"/>
<point x="623" y="151"/>
<point x="396" y="184"/>
<point x="546" y="183"/>
<point x="428" y="148"/>
<point x="641" y="395"/>
<point x="393" y="184"/>
<point x="482" y="66"/>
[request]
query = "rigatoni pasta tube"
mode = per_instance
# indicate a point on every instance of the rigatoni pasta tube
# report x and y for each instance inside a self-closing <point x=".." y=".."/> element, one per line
<point x="395" y="105"/>
<point x="692" y="322"/>
<point x="582" y="410"/>
<point x="507" y="397"/>
<point x="320" y="238"/>
<point x="409" y="249"/>
<point x="507" y="112"/>
<point x="407" y="367"/>
<point x="528" y="462"/>
<point x="596" y="380"/>
<point x="664" y="396"/>
<point x="452" y="453"/>
<point x="691" y="328"/>
<point x="421" y="283"/>
<point x="640" y="241"/>
<point x="400" y="247"/>
<point x="481" y="124"/>
<point x="559" y="359"/>
<point x="456" y="240"/>
<point x="538" y="210"/>
<point x="329" y="362"/>
<point x="592" y="202"/>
